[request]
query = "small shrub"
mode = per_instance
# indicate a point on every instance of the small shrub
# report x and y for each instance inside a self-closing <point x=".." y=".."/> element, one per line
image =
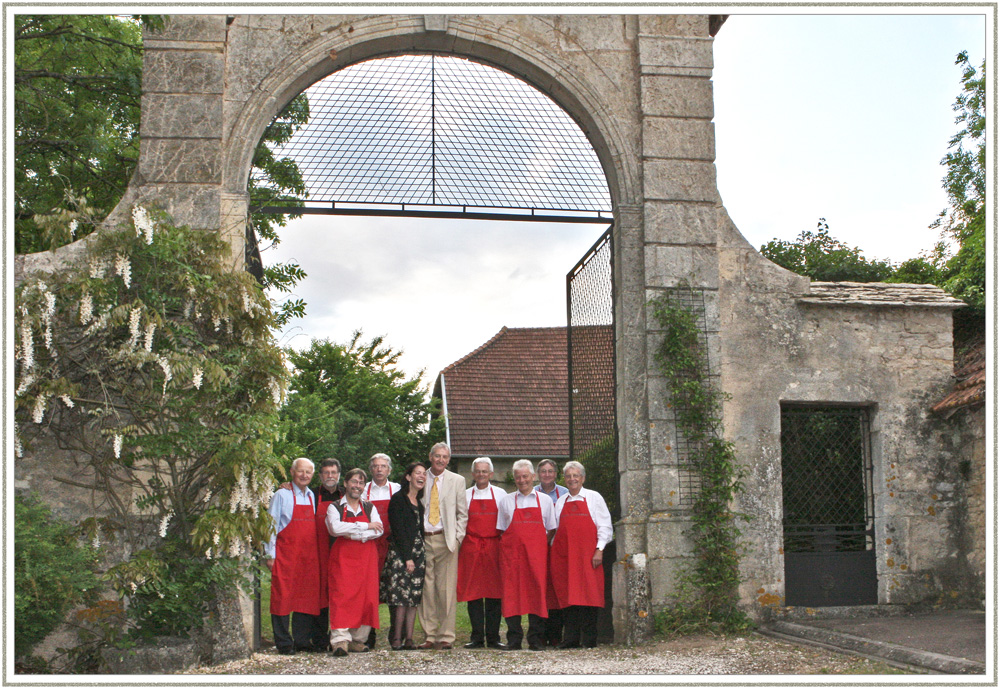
<point x="52" y="572"/>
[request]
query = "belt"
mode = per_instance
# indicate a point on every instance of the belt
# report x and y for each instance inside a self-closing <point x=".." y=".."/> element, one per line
<point x="434" y="533"/>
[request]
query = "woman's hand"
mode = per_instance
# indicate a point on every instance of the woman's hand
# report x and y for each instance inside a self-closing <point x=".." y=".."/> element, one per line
<point x="410" y="566"/>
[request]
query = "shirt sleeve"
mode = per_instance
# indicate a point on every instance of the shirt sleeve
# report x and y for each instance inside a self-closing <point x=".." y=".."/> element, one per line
<point x="548" y="515"/>
<point x="602" y="518"/>
<point x="278" y="511"/>
<point x="505" y="511"/>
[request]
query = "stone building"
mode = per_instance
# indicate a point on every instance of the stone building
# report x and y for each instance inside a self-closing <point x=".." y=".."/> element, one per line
<point x="640" y="88"/>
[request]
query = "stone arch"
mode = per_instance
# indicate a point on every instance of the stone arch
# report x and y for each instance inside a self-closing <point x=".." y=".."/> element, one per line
<point x="371" y="38"/>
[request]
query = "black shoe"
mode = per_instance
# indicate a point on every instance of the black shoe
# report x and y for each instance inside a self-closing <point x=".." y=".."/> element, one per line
<point x="513" y="647"/>
<point x="474" y="644"/>
<point x="286" y="651"/>
<point x="497" y="645"/>
<point x="568" y="644"/>
<point x="536" y="647"/>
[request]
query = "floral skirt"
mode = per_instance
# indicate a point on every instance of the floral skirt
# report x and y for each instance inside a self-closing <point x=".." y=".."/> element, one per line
<point x="397" y="586"/>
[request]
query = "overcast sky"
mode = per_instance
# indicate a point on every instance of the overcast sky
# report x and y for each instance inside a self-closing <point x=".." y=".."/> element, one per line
<point x="841" y="117"/>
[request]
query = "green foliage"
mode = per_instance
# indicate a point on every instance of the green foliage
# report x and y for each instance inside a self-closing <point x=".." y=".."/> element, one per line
<point x="707" y="596"/>
<point x="822" y="257"/>
<point x="601" y="463"/>
<point x="52" y="572"/>
<point x="351" y="401"/>
<point x="157" y="367"/>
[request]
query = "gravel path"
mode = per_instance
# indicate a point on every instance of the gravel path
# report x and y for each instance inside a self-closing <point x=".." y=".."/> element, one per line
<point x="700" y="655"/>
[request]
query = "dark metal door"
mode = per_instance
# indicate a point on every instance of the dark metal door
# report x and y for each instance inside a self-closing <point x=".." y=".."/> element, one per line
<point x="828" y="521"/>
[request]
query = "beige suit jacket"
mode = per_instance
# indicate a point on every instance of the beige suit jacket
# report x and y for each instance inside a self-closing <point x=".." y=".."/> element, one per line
<point x="453" y="504"/>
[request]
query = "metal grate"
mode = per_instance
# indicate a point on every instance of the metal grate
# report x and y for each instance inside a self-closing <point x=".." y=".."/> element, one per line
<point x="590" y="297"/>
<point x="826" y="479"/>
<point x="443" y="131"/>
<point x="689" y="479"/>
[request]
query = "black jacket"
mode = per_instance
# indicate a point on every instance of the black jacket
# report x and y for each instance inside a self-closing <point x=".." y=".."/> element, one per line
<point x="404" y="525"/>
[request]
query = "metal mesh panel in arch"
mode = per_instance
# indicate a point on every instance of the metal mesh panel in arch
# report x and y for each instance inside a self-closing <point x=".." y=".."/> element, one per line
<point x="434" y="130"/>
<point x="590" y="296"/>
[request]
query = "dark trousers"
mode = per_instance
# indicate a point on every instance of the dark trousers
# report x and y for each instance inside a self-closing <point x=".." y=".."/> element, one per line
<point x="581" y="625"/>
<point x="484" y="614"/>
<point x="321" y="630"/>
<point x="301" y="637"/>
<point x="392" y="630"/>
<point x="536" y="631"/>
<point x="554" y="627"/>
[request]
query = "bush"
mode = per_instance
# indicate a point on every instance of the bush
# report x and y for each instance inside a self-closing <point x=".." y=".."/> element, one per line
<point x="52" y="572"/>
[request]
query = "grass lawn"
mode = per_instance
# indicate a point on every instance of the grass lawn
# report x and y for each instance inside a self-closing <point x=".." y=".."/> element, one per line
<point x="462" y="626"/>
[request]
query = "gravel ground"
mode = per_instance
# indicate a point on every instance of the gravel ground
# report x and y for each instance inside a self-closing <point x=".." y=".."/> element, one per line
<point x="697" y="655"/>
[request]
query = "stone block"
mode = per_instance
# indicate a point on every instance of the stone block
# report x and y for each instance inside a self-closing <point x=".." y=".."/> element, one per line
<point x="663" y="576"/>
<point x="666" y="486"/>
<point x="667" y="539"/>
<point x="676" y="96"/>
<point x="590" y="32"/>
<point x="680" y="180"/>
<point x="181" y="116"/>
<point x="678" y="138"/>
<point x="635" y="493"/>
<point x="191" y="27"/>
<point x="180" y="160"/>
<point x="669" y="266"/>
<point x="680" y="223"/>
<point x="630" y="537"/>
<point x="167" y="655"/>
<point x="673" y="51"/>
<point x="195" y="205"/>
<point x="673" y="25"/>
<point x="662" y="441"/>
<point x="183" y="71"/>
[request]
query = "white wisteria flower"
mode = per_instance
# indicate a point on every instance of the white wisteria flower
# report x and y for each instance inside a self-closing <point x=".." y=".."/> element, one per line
<point x="133" y="327"/>
<point x="86" y="308"/>
<point x="67" y="401"/>
<point x="27" y="344"/>
<point x="246" y="299"/>
<point x="148" y="342"/>
<point x="118" y="446"/>
<point x="143" y="223"/>
<point x="196" y="379"/>
<point x="123" y="266"/>
<point x="208" y="554"/>
<point x="168" y="372"/>
<point x="98" y="268"/>
<point x="164" y="522"/>
<point x="96" y="543"/>
<point x="38" y="413"/>
<point x="26" y="382"/>
<point x="208" y="497"/>
<point x="73" y="224"/>
<point x="18" y="447"/>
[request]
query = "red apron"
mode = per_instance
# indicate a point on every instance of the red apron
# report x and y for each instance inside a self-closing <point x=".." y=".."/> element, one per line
<point x="575" y="579"/>
<point x="353" y="580"/>
<point x="295" y="572"/>
<point x="524" y="550"/>
<point x="479" y="557"/>
<point x="323" y="548"/>
<point x="382" y="542"/>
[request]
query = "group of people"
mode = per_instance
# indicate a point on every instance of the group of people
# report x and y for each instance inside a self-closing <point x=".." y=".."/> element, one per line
<point x="425" y="545"/>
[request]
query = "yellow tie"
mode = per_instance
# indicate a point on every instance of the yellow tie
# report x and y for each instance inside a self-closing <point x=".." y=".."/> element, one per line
<point x="434" y="513"/>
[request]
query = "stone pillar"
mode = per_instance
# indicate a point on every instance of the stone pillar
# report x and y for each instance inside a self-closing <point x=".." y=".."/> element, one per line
<point x="233" y="226"/>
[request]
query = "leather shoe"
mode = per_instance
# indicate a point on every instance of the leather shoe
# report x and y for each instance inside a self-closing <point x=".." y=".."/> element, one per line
<point x="474" y="644"/>
<point x="568" y="644"/>
<point x="442" y="646"/>
<point x="408" y="645"/>
<point x="497" y="645"/>
<point x="516" y="647"/>
<point x="427" y="646"/>
<point x="536" y="647"/>
<point x="286" y="651"/>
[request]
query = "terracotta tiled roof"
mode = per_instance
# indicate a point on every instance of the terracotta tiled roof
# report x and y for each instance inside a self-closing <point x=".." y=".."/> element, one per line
<point x="509" y="397"/>
<point x="970" y="385"/>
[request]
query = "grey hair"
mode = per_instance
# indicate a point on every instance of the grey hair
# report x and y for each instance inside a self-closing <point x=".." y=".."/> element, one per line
<point x="303" y="459"/>
<point x="482" y="460"/>
<point x="575" y="465"/>
<point x="522" y="464"/>
<point x="437" y="446"/>
<point x="379" y="455"/>
<point x="548" y="461"/>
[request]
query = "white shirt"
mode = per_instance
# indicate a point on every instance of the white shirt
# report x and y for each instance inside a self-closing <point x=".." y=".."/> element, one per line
<point x="505" y="510"/>
<point x="356" y="531"/>
<point x="282" y="505"/>
<point x="598" y="512"/>
<point x="484" y="494"/>
<point x="374" y="491"/>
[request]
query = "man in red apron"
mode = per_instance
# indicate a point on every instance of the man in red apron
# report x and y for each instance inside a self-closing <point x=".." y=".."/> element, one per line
<point x="378" y="492"/>
<point x="479" y="558"/>
<point x="548" y="472"/>
<point x="329" y="493"/>
<point x="577" y="556"/>
<point x="526" y="519"/>
<point x="293" y="559"/>
<point x="353" y="567"/>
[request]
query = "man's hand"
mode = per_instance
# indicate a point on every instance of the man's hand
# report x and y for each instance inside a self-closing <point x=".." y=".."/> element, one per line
<point x="287" y="485"/>
<point x="376" y="527"/>
<point x="598" y="558"/>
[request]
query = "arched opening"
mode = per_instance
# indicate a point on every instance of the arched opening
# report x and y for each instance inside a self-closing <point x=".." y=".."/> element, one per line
<point x="430" y="137"/>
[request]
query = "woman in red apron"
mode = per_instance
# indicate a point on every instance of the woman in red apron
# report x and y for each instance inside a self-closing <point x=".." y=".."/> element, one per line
<point x="479" y="559"/>
<point x="353" y="568"/>
<point x="524" y="552"/>
<point x="576" y="559"/>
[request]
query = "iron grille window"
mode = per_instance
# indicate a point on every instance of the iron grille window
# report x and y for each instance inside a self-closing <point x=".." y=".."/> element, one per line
<point x="826" y="479"/>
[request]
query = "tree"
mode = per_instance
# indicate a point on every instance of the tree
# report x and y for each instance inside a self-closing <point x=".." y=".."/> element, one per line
<point x="351" y="401"/>
<point x="822" y="257"/>
<point x="964" y="222"/>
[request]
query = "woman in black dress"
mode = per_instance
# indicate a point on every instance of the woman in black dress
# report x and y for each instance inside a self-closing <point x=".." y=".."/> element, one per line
<point x="403" y="576"/>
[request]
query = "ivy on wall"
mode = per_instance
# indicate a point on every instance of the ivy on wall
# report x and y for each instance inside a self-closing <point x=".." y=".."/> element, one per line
<point x="707" y="593"/>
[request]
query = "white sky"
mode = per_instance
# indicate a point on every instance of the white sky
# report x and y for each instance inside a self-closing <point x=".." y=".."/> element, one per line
<point x="841" y="117"/>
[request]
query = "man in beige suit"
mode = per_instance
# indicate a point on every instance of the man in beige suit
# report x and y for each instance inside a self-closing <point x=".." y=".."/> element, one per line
<point x="446" y="512"/>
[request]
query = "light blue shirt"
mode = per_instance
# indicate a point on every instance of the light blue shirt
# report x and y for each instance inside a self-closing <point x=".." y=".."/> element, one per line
<point x="556" y="493"/>
<point x="283" y="503"/>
